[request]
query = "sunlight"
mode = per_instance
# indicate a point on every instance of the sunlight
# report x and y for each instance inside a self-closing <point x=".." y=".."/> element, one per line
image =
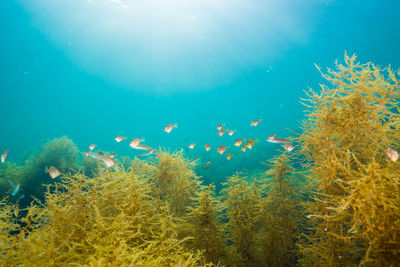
<point x="171" y="46"/>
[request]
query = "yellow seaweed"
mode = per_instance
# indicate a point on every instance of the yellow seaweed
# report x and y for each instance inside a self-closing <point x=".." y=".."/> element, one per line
<point x="355" y="214"/>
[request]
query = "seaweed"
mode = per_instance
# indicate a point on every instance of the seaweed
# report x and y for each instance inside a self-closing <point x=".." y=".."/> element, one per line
<point x="203" y="223"/>
<point x="61" y="153"/>
<point x="280" y="213"/>
<point x="110" y="219"/>
<point x="241" y="204"/>
<point x="355" y="213"/>
<point x="174" y="181"/>
<point x="10" y="172"/>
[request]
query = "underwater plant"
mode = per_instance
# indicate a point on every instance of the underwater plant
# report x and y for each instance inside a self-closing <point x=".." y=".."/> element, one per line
<point x="11" y="175"/>
<point x="242" y="207"/>
<point x="174" y="181"/>
<point x="61" y="153"/>
<point x="108" y="220"/>
<point x="203" y="223"/>
<point x="280" y="213"/>
<point x="90" y="166"/>
<point x="355" y="212"/>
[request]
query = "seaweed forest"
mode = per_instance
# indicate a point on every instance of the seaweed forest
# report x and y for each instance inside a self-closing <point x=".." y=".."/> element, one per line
<point x="334" y="201"/>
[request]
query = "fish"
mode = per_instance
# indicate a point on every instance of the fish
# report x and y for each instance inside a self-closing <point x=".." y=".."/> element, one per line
<point x="243" y="148"/>
<point x="92" y="146"/>
<point x="21" y="197"/>
<point x="149" y="152"/>
<point x="250" y="143"/>
<point x="12" y="184"/>
<point x="194" y="160"/>
<point x="169" y="127"/>
<point x="231" y="132"/>
<point x="3" y="156"/>
<point x="108" y="161"/>
<point x="272" y="139"/>
<point x="238" y="142"/>
<point x="191" y="146"/>
<point x="392" y="154"/>
<point x="229" y="156"/>
<point x="288" y="147"/>
<point x="219" y="127"/>
<point x="15" y="190"/>
<point x="143" y="147"/>
<point x="112" y="155"/>
<point x="52" y="171"/>
<point x="208" y="147"/>
<point x="92" y="155"/>
<point x="135" y="142"/>
<point x="221" y="132"/>
<point x="221" y="149"/>
<point x="255" y="123"/>
<point x="119" y="138"/>
<point x="206" y="165"/>
<point x="101" y="155"/>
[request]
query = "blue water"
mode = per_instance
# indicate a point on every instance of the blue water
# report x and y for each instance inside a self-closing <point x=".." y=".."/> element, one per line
<point x="92" y="70"/>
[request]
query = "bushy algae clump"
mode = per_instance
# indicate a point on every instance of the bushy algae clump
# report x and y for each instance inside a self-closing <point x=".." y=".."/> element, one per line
<point x="355" y="215"/>
<point x="10" y="172"/>
<point x="61" y="153"/>
<point x="203" y="223"/>
<point x="263" y="217"/>
<point x="174" y="181"/>
<point x="109" y="219"/>
<point x="281" y="213"/>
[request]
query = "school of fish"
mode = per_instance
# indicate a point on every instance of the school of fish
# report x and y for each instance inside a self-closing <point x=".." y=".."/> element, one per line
<point x="138" y="144"/>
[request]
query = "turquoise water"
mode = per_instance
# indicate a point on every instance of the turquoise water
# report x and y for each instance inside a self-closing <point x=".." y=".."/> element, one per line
<point x="92" y="70"/>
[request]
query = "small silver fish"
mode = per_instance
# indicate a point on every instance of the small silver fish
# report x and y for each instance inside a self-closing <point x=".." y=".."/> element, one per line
<point x="119" y="138"/>
<point x="143" y="147"/>
<point x="206" y="165"/>
<point x="92" y="146"/>
<point x="3" y="156"/>
<point x="135" y="142"/>
<point x="231" y="132"/>
<point x="392" y="154"/>
<point x="238" y="142"/>
<point x="221" y="149"/>
<point x="169" y="127"/>
<point x="93" y="155"/>
<point x="53" y="172"/>
<point x="195" y="160"/>
<point x="221" y="132"/>
<point x="288" y="147"/>
<point x="149" y="152"/>
<point x="15" y="190"/>
<point x="191" y="146"/>
<point x="108" y="161"/>
<point x="255" y="123"/>
<point x="250" y="143"/>
<point x="272" y="139"/>
<point x="219" y="127"/>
